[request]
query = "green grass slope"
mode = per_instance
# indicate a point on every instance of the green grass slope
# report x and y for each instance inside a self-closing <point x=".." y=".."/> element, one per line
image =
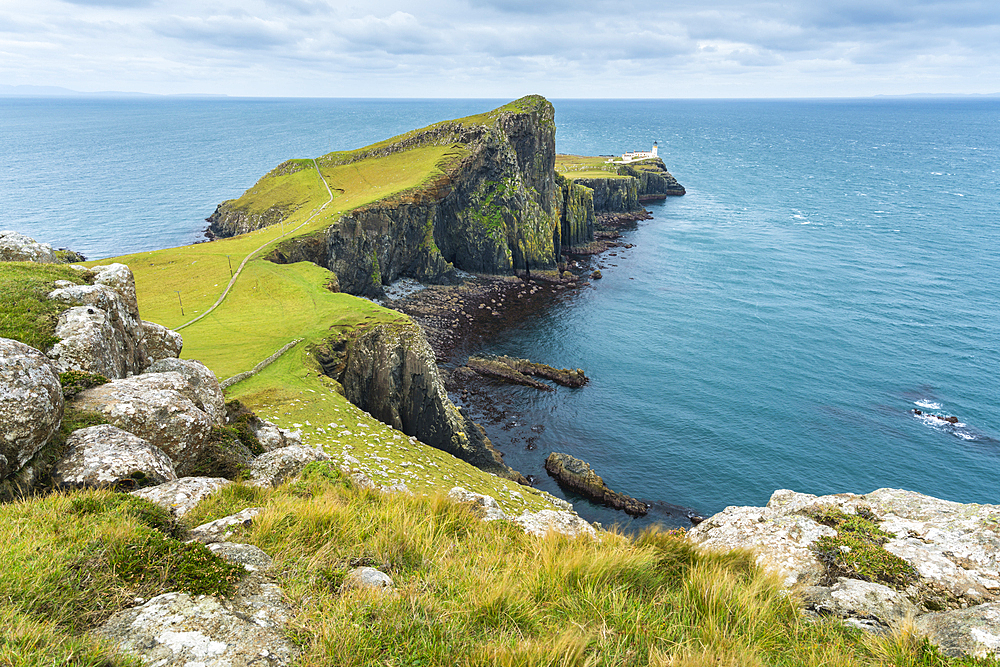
<point x="467" y="592"/>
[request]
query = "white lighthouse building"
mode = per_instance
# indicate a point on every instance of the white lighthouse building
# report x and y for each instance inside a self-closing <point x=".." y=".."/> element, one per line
<point x="637" y="155"/>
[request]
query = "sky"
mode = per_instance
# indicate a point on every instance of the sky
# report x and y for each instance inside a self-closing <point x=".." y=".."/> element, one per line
<point x="504" y="48"/>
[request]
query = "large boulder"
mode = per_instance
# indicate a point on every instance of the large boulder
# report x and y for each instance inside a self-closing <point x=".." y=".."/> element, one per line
<point x="180" y="630"/>
<point x="160" y="342"/>
<point x="204" y="386"/>
<point x="101" y="332"/>
<point x="943" y="557"/>
<point x="106" y="456"/>
<point x="158" y="408"/>
<point x="222" y="529"/>
<point x="31" y="404"/>
<point x="180" y="496"/>
<point x="15" y="247"/>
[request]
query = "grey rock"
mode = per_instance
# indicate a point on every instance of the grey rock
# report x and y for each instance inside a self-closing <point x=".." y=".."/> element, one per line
<point x="160" y="342"/>
<point x="271" y="436"/>
<point x="178" y="630"/>
<point x="974" y="631"/>
<point x="487" y="505"/>
<point x="105" y="455"/>
<point x="534" y="523"/>
<point x="101" y="332"/>
<point x="251" y="557"/>
<point x="180" y="496"/>
<point x="15" y="247"/>
<point x="851" y="598"/>
<point x="204" y="386"/>
<point x="222" y="529"/>
<point x="272" y="468"/>
<point x="367" y="578"/>
<point x="31" y="404"/>
<point x="156" y="407"/>
<point x="391" y="373"/>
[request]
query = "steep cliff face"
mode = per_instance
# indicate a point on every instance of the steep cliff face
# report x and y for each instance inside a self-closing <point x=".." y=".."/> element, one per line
<point x="577" y="222"/>
<point x="390" y="372"/>
<point x="614" y="194"/>
<point x="655" y="182"/>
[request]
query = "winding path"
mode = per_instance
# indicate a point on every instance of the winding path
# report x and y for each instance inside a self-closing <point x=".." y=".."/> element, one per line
<point x="232" y="281"/>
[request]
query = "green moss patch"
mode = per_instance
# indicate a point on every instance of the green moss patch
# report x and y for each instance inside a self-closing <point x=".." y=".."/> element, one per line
<point x="857" y="551"/>
<point x="27" y="314"/>
<point x="73" y="382"/>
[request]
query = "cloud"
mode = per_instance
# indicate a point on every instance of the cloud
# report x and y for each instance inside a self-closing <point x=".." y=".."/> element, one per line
<point x="240" y="31"/>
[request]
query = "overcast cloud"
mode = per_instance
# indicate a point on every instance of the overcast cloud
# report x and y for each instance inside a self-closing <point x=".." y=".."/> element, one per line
<point x="504" y="48"/>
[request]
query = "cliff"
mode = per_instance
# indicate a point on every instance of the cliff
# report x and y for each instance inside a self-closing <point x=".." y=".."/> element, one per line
<point x="619" y="188"/>
<point x="489" y="204"/>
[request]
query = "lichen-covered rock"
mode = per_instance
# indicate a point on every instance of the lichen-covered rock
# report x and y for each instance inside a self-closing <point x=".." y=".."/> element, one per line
<point x="579" y="476"/>
<point x="161" y="342"/>
<point x="851" y="598"/>
<point x="101" y="332"/>
<point x="486" y="505"/>
<point x="367" y="578"/>
<point x="392" y="374"/>
<point x="271" y="437"/>
<point x="204" y="386"/>
<point x="974" y="631"/>
<point x="272" y="468"/>
<point x="156" y="407"/>
<point x="106" y="456"/>
<point x="222" y="529"/>
<point x="15" y="247"/>
<point x="178" y="630"/>
<point x="252" y="558"/>
<point x="952" y="549"/>
<point x="31" y="404"/>
<point x="538" y="523"/>
<point x="181" y="495"/>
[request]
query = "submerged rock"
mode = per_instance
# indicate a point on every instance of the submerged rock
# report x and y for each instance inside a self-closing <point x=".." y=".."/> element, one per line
<point x="517" y="371"/>
<point x="579" y="476"/>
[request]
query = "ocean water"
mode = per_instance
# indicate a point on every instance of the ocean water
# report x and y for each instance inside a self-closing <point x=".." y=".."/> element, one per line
<point x="834" y="265"/>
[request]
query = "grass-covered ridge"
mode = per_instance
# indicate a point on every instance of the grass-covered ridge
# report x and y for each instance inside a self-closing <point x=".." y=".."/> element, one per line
<point x="467" y="592"/>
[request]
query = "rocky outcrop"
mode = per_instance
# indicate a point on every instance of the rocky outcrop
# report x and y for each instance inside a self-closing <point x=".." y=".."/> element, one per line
<point x="615" y="194"/>
<point x="160" y="342"/>
<point x="15" y="247"/>
<point x="912" y="553"/>
<point x="202" y="385"/>
<point x="580" y="477"/>
<point x="180" y="630"/>
<point x="521" y="371"/>
<point x="274" y="467"/>
<point x="157" y="407"/>
<point x="541" y="523"/>
<point x="655" y="182"/>
<point x="105" y="456"/>
<point x="31" y="404"/>
<point x="390" y="372"/>
<point x="577" y="221"/>
<point x="222" y="529"/>
<point x="101" y="332"/>
<point x="180" y="496"/>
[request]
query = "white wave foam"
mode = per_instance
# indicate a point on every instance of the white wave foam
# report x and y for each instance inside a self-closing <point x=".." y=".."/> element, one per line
<point x="927" y="405"/>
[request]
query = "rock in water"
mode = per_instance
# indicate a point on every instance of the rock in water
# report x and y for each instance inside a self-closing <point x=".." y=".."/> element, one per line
<point x="31" y="404"/>
<point x="579" y="476"/>
<point x="106" y="456"/>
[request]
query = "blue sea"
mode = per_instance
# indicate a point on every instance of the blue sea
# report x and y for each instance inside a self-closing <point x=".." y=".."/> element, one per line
<point x="834" y="265"/>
